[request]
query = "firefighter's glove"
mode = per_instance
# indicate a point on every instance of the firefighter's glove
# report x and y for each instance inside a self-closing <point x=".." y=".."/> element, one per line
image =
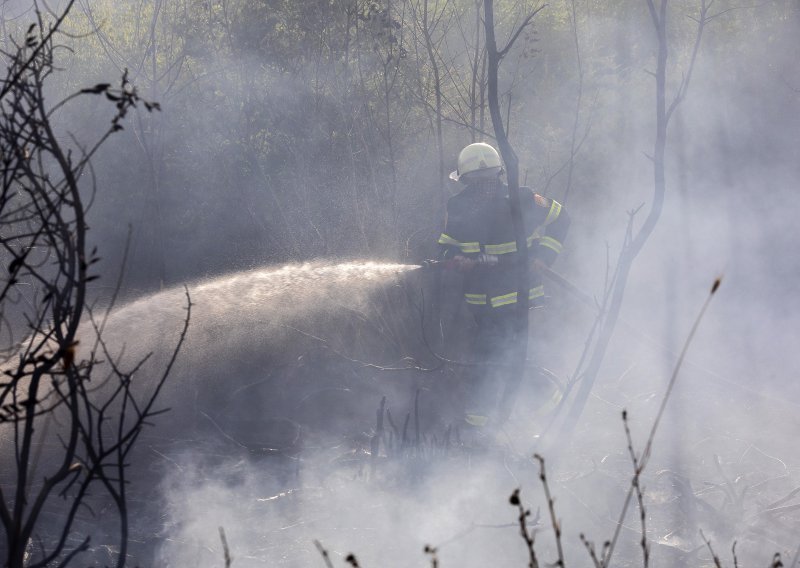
<point x="488" y="259"/>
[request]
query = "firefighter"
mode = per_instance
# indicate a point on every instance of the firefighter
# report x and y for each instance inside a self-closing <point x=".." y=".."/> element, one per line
<point x="478" y="241"/>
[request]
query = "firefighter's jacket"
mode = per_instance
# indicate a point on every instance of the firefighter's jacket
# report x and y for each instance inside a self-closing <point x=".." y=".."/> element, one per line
<point x="479" y="222"/>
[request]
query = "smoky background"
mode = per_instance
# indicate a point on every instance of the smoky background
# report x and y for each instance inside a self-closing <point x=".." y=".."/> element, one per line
<point x="296" y="132"/>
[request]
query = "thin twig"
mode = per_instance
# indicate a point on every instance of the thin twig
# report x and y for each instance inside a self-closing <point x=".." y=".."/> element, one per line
<point x="636" y="483"/>
<point x="551" y="507"/>
<point x="431" y="551"/>
<point x="592" y="552"/>
<point x="528" y="536"/>
<point x="324" y="554"/>
<point x="503" y="52"/>
<point x="225" y="550"/>
<point x="648" y="446"/>
<point x="714" y="556"/>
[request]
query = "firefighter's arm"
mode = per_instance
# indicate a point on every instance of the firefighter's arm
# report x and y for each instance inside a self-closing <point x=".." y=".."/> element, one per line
<point x="448" y="248"/>
<point x="451" y="251"/>
<point x="554" y="228"/>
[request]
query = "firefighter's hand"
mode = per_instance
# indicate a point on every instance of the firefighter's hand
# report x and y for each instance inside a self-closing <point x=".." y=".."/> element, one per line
<point x="488" y="259"/>
<point x="462" y="263"/>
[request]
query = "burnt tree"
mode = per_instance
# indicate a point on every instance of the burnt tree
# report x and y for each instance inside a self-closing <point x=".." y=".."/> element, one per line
<point x="69" y="416"/>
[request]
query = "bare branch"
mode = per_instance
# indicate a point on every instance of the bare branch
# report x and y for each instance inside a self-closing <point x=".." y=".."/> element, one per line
<point x="502" y="52"/>
<point x="551" y="508"/>
<point x="42" y="214"/>
<point x="225" y="550"/>
<point x="324" y="553"/>
<point x="642" y="462"/>
<point x="714" y="556"/>
<point x="684" y="85"/>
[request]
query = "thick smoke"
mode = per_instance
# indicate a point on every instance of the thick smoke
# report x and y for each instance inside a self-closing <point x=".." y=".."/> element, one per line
<point x="273" y="400"/>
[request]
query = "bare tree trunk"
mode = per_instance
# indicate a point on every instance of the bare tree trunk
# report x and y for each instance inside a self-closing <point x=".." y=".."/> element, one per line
<point x="634" y="244"/>
<point x="520" y="348"/>
<point x="476" y="85"/>
<point x="437" y="85"/>
<point x="579" y="99"/>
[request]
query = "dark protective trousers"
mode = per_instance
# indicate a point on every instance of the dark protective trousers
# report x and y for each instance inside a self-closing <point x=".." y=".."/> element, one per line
<point x="491" y="346"/>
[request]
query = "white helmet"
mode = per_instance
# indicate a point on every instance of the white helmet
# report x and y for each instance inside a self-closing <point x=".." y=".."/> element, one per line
<point x="475" y="158"/>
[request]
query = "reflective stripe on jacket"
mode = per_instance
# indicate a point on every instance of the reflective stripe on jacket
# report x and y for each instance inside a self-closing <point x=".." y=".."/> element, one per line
<point x="479" y="221"/>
